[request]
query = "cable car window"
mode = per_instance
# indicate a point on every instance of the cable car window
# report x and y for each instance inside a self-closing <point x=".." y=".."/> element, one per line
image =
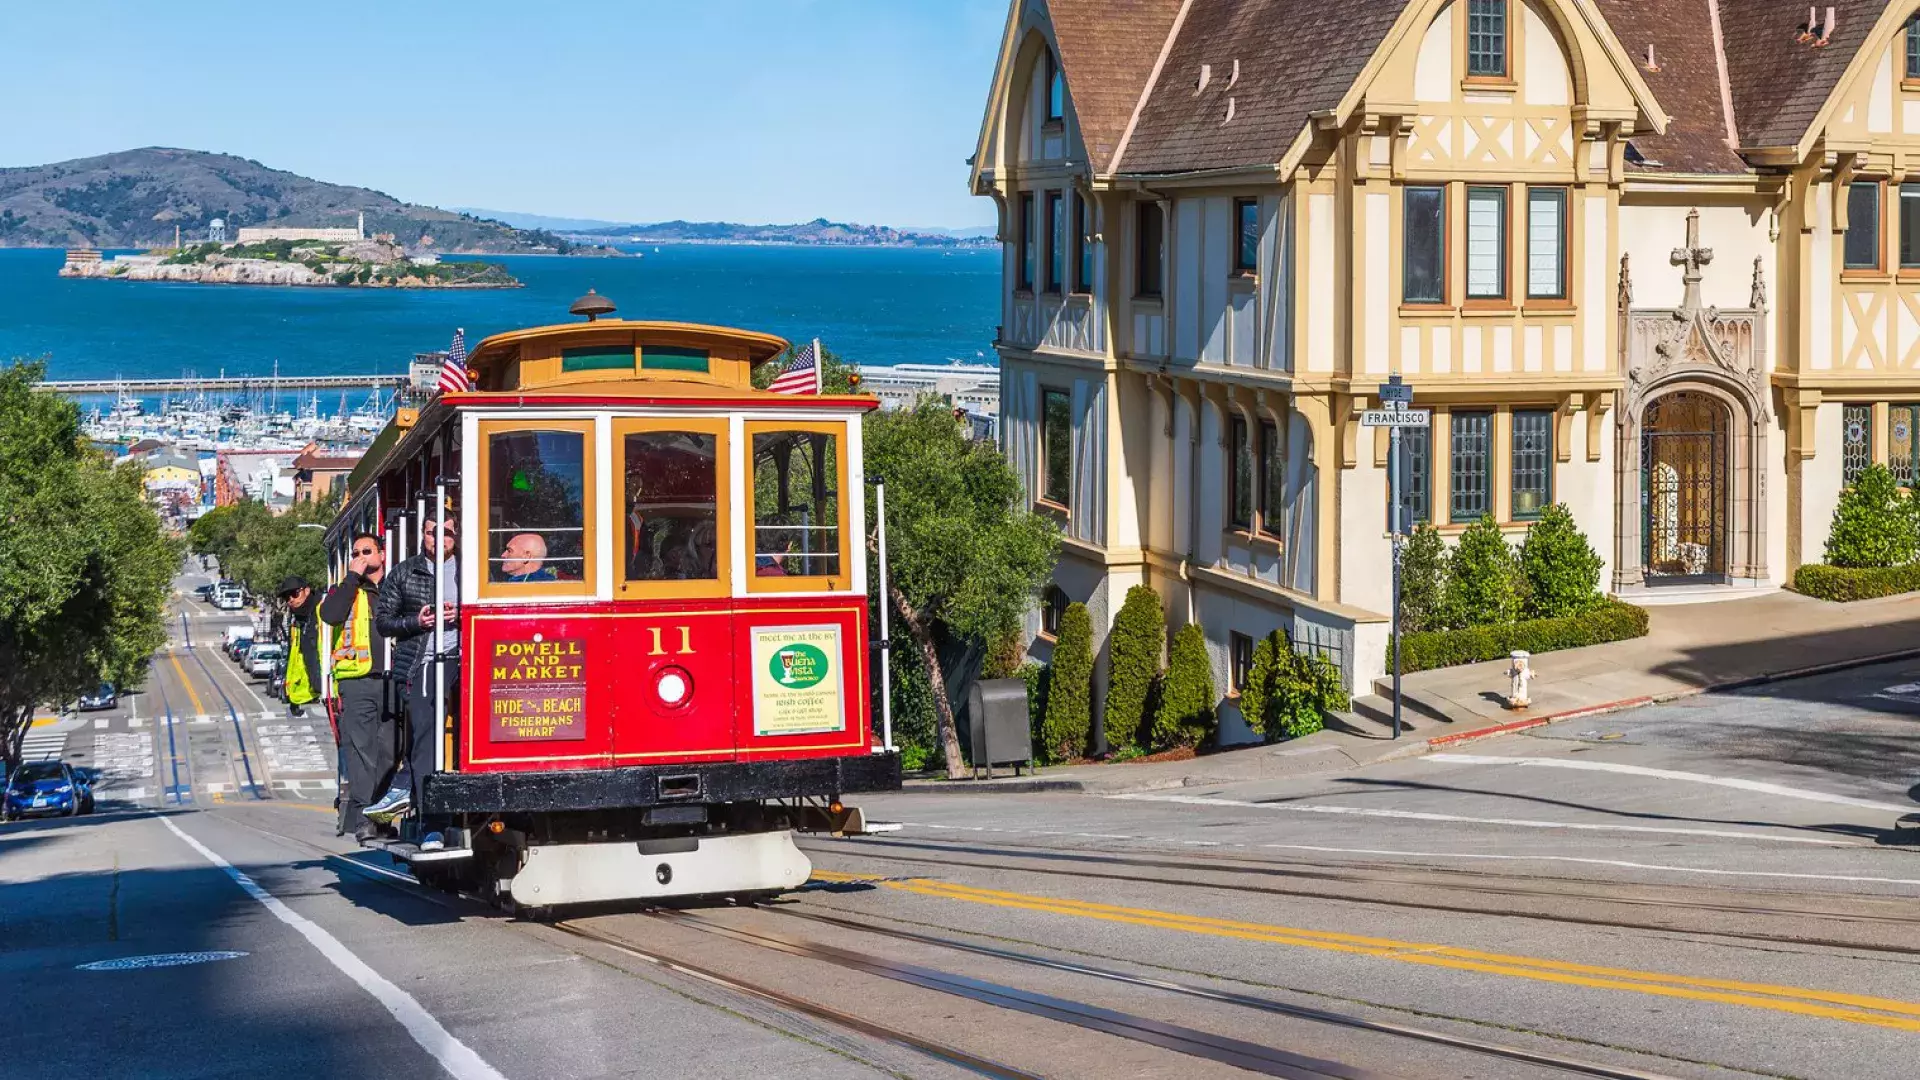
<point x="672" y="528"/>
<point x="536" y="513"/>
<point x="796" y="504"/>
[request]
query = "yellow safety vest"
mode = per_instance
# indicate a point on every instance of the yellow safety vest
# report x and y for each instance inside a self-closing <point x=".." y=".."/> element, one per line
<point x="353" y="656"/>
<point x="299" y="682"/>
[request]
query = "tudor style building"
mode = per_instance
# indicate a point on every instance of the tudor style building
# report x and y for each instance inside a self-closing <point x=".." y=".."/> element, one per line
<point x="1658" y="260"/>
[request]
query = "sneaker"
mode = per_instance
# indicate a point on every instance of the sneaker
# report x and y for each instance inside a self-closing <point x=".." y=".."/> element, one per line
<point x="433" y="841"/>
<point x="392" y="804"/>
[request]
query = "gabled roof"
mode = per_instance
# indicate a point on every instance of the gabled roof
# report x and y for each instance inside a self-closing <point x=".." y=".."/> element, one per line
<point x="1780" y="85"/>
<point x="1107" y="49"/>
<point x="1687" y="80"/>
<point x="1295" y="59"/>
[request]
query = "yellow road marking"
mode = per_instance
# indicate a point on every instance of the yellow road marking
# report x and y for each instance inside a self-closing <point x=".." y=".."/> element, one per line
<point x="199" y="709"/>
<point x="43" y="721"/>
<point x="1852" y="1008"/>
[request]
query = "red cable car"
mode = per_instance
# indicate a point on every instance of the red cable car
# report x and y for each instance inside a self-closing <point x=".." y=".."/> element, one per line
<point x="663" y="643"/>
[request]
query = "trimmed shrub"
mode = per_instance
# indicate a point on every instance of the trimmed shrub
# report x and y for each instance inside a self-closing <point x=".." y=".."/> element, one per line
<point x="1423" y="580"/>
<point x="1133" y="660"/>
<point x="1561" y="567"/>
<point x="1483" y="578"/>
<point x="1070" y="688"/>
<point x="1256" y="695"/>
<point x="1845" y="583"/>
<point x="1185" y="716"/>
<point x="1005" y="658"/>
<point x="1308" y="688"/>
<point x="1036" y="676"/>
<point x="1873" y="525"/>
<point x="1612" y="621"/>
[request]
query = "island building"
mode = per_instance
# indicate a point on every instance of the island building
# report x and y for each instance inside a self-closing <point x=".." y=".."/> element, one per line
<point x="258" y="234"/>
<point x="1658" y="260"/>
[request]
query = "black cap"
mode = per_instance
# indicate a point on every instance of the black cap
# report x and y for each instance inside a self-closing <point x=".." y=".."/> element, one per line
<point x="293" y="583"/>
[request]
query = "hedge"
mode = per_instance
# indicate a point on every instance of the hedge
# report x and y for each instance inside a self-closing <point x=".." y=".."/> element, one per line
<point x="1842" y="583"/>
<point x="1614" y="621"/>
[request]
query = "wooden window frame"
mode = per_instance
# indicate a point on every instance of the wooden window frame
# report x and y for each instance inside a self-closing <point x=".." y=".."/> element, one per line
<point x="1045" y="497"/>
<point x="1879" y="266"/>
<point x="722" y="583"/>
<point x="1446" y="256"/>
<point x="1861" y="413"/>
<point x="1504" y="246"/>
<point x="1513" y="464"/>
<point x="1503" y="77"/>
<point x="1565" y="198"/>
<point x="588" y="585"/>
<point x="1082" y="244"/>
<point x="1239" y="445"/>
<point x="1241" y="265"/>
<point x="1026" y="258"/>
<point x="787" y="583"/>
<point x="1053" y="275"/>
<point x="1454" y="516"/>
<point x="1423" y="513"/>
<point x="1050" y="613"/>
<point x="1143" y="258"/>
<point x="1911" y="79"/>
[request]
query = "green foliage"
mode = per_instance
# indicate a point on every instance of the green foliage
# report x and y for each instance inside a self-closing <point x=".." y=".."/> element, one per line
<point x="1185" y="716"/>
<point x="1069" y="715"/>
<point x="1845" y="583"/>
<point x="1423" y="580"/>
<point x="1256" y="696"/>
<point x="1483" y="578"/>
<point x="1288" y="692"/>
<point x="1133" y="663"/>
<point x="260" y="550"/>
<point x="915" y="731"/>
<point x="1561" y="567"/>
<point x="1612" y="621"/>
<point x="1874" y="523"/>
<point x="84" y="568"/>
<point x="1038" y="678"/>
<point x="965" y="555"/>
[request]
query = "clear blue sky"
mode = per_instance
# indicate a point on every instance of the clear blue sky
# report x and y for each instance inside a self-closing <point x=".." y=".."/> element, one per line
<point x="740" y="110"/>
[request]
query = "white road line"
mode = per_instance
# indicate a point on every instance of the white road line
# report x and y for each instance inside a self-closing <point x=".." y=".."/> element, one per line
<point x="1849" y="878"/>
<point x="133" y="709"/>
<point x="452" y="1054"/>
<point x="101" y="724"/>
<point x="1523" y="823"/>
<point x="1759" y="786"/>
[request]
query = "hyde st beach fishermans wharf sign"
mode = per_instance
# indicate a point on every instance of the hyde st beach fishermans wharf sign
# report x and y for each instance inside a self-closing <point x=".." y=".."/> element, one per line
<point x="539" y="690"/>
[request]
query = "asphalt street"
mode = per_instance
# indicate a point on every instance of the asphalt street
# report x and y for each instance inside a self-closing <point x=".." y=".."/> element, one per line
<point x="1708" y="889"/>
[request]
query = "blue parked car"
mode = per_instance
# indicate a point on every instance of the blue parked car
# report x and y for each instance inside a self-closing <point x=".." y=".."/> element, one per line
<point x="47" y="787"/>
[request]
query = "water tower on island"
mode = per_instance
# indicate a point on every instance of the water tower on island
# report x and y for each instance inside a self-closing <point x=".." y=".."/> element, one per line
<point x="217" y="231"/>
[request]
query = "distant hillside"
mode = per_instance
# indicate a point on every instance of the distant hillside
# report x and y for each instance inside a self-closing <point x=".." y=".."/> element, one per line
<point x="135" y="198"/>
<point x="817" y="231"/>
<point x="540" y="221"/>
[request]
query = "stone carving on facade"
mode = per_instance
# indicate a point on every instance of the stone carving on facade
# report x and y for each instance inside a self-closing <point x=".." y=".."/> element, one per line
<point x="1661" y="342"/>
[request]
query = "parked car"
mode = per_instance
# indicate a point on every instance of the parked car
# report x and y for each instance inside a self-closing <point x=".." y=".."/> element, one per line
<point x="103" y="698"/>
<point x="262" y="658"/>
<point x="47" y="787"/>
<point x="203" y="592"/>
<point x="229" y="600"/>
<point x="240" y="650"/>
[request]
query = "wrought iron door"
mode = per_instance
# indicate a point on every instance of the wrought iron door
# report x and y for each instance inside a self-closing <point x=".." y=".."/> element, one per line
<point x="1683" y="486"/>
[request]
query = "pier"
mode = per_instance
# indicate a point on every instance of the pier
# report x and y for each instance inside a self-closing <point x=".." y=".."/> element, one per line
<point x="226" y="383"/>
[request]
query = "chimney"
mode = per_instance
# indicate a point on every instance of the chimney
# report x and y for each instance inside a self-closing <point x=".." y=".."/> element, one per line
<point x="1206" y="76"/>
<point x="1806" y="32"/>
<point x="1652" y="64"/>
<point x="1826" y="34"/>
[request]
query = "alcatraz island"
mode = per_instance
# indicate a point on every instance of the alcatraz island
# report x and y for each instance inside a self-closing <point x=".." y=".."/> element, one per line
<point x="340" y="258"/>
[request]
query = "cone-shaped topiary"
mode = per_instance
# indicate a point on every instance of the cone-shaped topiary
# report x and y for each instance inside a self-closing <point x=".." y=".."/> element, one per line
<point x="1185" y="716"/>
<point x="1257" y="696"/>
<point x="1483" y="578"/>
<point x="1562" y="569"/>
<point x="1070" y="688"/>
<point x="1423" y="580"/>
<point x="1133" y="657"/>
<point x="1873" y="525"/>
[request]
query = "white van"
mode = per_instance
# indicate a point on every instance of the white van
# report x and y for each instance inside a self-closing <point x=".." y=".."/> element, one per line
<point x="228" y="598"/>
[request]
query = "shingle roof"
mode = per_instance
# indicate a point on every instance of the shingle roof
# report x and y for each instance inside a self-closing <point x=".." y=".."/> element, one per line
<point x="1107" y="50"/>
<point x="1778" y="83"/>
<point x="1296" y="57"/>
<point x="1686" y="83"/>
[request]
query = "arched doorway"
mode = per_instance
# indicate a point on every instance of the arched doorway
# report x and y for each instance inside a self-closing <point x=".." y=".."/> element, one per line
<point x="1684" y="454"/>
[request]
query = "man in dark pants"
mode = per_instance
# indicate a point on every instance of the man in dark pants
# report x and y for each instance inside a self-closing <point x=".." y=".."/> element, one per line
<point x="407" y="615"/>
<point x="360" y="673"/>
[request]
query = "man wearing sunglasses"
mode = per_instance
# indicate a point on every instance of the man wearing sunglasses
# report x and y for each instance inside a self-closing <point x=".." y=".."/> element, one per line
<point x="360" y="673"/>
<point x="407" y="615"/>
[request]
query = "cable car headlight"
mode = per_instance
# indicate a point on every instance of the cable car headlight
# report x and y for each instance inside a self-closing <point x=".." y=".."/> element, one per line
<point x="673" y="686"/>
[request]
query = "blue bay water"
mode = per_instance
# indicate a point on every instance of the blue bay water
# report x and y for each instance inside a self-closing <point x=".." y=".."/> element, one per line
<point x="872" y="306"/>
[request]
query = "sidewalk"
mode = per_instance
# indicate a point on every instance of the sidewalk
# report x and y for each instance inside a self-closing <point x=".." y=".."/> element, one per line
<point x="1689" y="649"/>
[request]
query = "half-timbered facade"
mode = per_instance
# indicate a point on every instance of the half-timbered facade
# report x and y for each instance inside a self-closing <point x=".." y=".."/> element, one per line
<point x="1658" y="260"/>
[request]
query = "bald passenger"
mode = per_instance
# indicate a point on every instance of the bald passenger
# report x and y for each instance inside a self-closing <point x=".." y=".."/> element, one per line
<point x="525" y="559"/>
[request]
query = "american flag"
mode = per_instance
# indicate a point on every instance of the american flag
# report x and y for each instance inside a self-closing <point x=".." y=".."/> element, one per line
<point x="802" y="373"/>
<point x="453" y="373"/>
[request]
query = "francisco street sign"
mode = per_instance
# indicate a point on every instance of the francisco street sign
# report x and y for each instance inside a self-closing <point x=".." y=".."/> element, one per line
<point x="1396" y="418"/>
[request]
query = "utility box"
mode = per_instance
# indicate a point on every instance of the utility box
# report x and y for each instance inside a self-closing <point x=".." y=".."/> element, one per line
<point x="1000" y="728"/>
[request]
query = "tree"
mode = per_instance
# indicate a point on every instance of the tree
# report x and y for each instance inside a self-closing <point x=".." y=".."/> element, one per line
<point x="1134" y="646"/>
<point x="1069" y="715"/>
<point x="1561" y="568"/>
<point x="964" y="553"/>
<point x="1423" y="580"/>
<point x="1256" y="697"/>
<point x="84" y="568"/>
<point x="1185" y="716"/>
<point x="1483" y="578"/>
<point x="1874" y="523"/>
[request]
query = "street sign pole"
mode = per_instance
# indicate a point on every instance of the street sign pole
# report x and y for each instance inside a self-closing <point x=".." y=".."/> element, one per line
<point x="1398" y="540"/>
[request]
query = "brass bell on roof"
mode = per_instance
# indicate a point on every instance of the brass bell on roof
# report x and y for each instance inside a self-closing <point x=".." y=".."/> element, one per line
<point x="592" y="305"/>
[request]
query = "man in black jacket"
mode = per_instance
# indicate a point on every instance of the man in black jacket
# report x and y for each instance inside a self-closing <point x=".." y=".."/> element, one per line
<point x="360" y="674"/>
<point x="407" y="616"/>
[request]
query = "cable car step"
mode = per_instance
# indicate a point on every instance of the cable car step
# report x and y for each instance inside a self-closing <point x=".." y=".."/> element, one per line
<point x="407" y="851"/>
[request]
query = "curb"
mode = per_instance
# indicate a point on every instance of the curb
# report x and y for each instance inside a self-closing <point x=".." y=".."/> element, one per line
<point x="987" y="787"/>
